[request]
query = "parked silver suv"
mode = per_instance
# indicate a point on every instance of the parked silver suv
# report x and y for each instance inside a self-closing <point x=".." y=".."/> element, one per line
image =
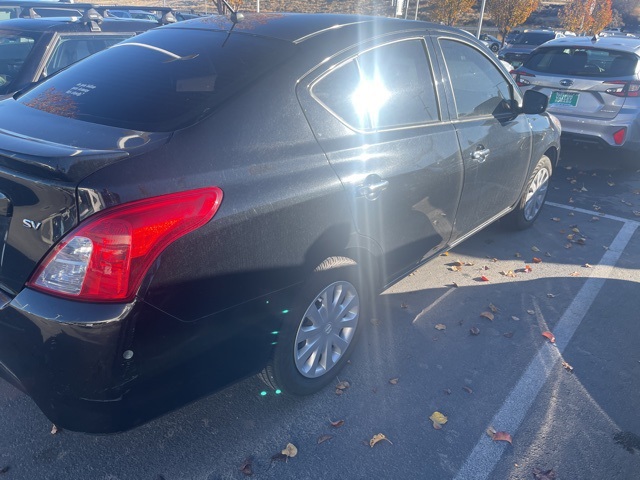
<point x="518" y="50"/>
<point x="593" y="87"/>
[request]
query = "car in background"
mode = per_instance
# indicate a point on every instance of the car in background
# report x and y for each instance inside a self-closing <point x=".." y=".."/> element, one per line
<point x="11" y="9"/>
<point x="516" y="51"/>
<point x="490" y="41"/>
<point x="132" y="14"/>
<point x="34" y="48"/>
<point x="593" y="85"/>
<point x="223" y="197"/>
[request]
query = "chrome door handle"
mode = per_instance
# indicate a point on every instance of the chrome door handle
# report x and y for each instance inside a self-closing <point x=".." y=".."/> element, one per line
<point x="481" y="154"/>
<point x="371" y="191"/>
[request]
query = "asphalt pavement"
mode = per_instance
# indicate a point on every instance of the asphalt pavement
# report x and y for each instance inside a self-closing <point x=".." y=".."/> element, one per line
<point x="442" y="340"/>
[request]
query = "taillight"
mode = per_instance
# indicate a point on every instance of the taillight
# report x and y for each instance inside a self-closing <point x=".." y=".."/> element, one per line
<point x="106" y="257"/>
<point x="618" y="137"/>
<point x="522" y="82"/>
<point x="623" y="89"/>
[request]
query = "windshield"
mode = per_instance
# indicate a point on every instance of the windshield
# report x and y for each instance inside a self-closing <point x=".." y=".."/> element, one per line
<point x="533" y="38"/>
<point x="164" y="80"/>
<point x="14" y="49"/>
<point x="586" y="62"/>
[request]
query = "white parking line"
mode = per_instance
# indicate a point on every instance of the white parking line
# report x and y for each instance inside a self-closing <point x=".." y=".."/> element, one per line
<point x="486" y="454"/>
<point x="591" y="212"/>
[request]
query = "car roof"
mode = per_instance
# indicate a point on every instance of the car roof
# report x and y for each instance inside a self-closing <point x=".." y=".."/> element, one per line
<point x="627" y="44"/>
<point x="72" y="24"/>
<point x="299" y="27"/>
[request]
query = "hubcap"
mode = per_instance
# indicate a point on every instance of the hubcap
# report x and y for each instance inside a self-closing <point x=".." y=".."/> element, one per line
<point x="536" y="194"/>
<point x="327" y="329"/>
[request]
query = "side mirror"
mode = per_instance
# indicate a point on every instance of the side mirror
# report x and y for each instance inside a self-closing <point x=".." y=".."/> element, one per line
<point x="534" y="102"/>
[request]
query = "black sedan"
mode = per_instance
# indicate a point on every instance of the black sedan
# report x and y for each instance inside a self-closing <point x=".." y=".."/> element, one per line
<point x="215" y="199"/>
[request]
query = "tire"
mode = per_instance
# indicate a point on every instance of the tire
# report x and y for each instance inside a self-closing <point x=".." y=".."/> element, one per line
<point x="494" y="47"/>
<point x="316" y="342"/>
<point x="534" y="195"/>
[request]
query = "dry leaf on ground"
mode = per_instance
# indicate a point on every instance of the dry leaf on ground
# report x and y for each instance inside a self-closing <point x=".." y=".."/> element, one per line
<point x="487" y="315"/>
<point x="438" y="420"/>
<point x="440" y="326"/>
<point x="535" y="249"/>
<point x="324" y="438"/>
<point x="484" y="278"/>
<point x="394" y="381"/>
<point x="467" y="389"/>
<point x="537" y="260"/>
<point x="378" y="438"/>
<point x="246" y="467"/>
<point x="493" y="308"/>
<point x="531" y="312"/>
<point x="508" y="334"/>
<point x="549" y="336"/>
<point x="474" y="331"/>
<point x="343" y="385"/>
<point x="513" y="317"/>
<point x="290" y="450"/>
<point x="502" y="437"/>
<point x="337" y="423"/>
<point x="55" y="429"/>
<point x="568" y="367"/>
<point x="574" y="274"/>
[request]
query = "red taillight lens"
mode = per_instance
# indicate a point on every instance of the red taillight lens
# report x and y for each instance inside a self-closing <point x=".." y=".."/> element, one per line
<point x="106" y="257"/>
<point x="623" y="89"/>
<point x="518" y="77"/>
<point x="618" y="137"/>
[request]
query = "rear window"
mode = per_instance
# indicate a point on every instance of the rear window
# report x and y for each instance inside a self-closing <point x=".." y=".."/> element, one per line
<point x="162" y="80"/>
<point x="534" y="38"/>
<point x="586" y="62"/>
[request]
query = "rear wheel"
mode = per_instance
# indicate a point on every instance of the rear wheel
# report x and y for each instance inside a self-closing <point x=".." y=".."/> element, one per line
<point x="534" y="196"/>
<point x="322" y="330"/>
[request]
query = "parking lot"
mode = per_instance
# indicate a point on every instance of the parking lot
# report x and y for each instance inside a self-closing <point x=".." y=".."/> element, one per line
<point x="462" y="336"/>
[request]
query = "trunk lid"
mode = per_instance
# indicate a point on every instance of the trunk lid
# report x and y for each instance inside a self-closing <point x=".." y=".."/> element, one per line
<point x="43" y="157"/>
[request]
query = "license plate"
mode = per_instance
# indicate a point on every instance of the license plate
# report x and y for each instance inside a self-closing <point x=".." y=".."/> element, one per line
<point x="564" y="98"/>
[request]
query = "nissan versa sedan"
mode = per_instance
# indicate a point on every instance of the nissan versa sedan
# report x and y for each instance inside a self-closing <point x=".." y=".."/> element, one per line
<point x="217" y="199"/>
<point x="594" y="89"/>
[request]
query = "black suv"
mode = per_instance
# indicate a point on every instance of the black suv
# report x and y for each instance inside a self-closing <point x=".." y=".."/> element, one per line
<point x="211" y="200"/>
<point x="34" y="48"/>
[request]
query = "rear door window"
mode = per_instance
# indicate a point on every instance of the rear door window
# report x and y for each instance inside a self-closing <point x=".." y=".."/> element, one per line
<point x="587" y="62"/>
<point x="387" y="87"/>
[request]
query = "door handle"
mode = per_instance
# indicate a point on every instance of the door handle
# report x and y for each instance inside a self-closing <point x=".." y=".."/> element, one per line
<point x="481" y="154"/>
<point x="372" y="190"/>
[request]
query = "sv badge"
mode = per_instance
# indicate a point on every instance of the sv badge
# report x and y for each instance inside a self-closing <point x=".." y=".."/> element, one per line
<point x="31" y="224"/>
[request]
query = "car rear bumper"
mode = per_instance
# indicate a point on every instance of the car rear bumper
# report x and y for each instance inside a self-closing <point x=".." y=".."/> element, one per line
<point x="599" y="132"/>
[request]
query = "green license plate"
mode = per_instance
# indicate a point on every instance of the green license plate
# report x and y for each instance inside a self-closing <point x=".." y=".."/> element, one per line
<point x="564" y="98"/>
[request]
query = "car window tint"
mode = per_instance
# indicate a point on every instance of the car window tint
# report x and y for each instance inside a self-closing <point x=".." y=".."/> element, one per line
<point x="534" y="38"/>
<point x="69" y="50"/>
<point x="587" y="62"/>
<point x="389" y="86"/>
<point x="163" y="80"/>
<point x="479" y="88"/>
<point x="13" y="51"/>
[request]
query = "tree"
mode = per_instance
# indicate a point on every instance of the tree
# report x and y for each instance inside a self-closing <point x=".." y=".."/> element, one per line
<point x="507" y="14"/>
<point x="586" y="16"/>
<point x="449" y="11"/>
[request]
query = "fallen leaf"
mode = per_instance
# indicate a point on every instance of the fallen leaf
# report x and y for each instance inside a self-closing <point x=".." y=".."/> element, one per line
<point x="458" y="263"/>
<point x="440" y="326"/>
<point x="484" y="278"/>
<point x="246" y="467"/>
<point x="502" y="437"/>
<point x="583" y="189"/>
<point x="568" y="245"/>
<point x="571" y="214"/>
<point x="290" y="450"/>
<point x="549" y="336"/>
<point x="474" y="331"/>
<point x="454" y="284"/>
<point x="55" y="429"/>
<point x="467" y="389"/>
<point x="610" y="183"/>
<point x="517" y="255"/>
<point x="455" y="268"/>
<point x="447" y="391"/>
<point x="628" y="204"/>
<point x="570" y="236"/>
<point x="567" y="367"/>
<point x="595" y="219"/>
<point x="555" y="219"/>
<point x="546" y="475"/>
<point x="493" y="308"/>
<point x="485" y="268"/>
<point x="337" y="423"/>
<point x="378" y="438"/>
<point x="324" y="438"/>
<point x="586" y="265"/>
<point x="597" y="208"/>
<point x="438" y="420"/>
<point x="508" y="273"/>
<point x="508" y="334"/>
<point x="570" y="199"/>
<point x="338" y="391"/>
<point x="527" y="268"/>
<point x="513" y="317"/>
<point x="551" y="295"/>
<point x="531" y="312"/>
<point x="445" y="254"/>
<point x="491" y="431"/>
<point x="535" y="249"/>
<point x="537" y="260"/>
<point x="487" y="315"/>
<point x="636" y="213"/>
<point x="343" y="385"/>
<point x="575" y="230"/>
<point x="574" y="274"/>
<point x="404" y="305"/>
